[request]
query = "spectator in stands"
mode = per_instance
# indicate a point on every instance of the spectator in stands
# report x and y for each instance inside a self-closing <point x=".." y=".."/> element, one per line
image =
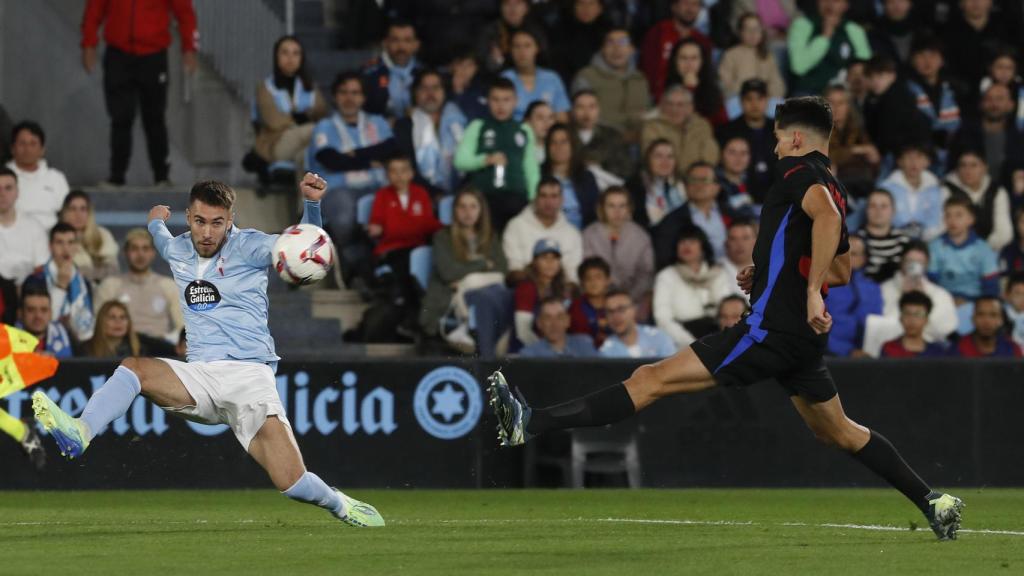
<point x="686" y="294"/>
<point x="895" y="30"/>
<point x="915" y="307"/>
<point x="731" y="310"/>
<point x="974" y="35"/>
<point x="41" y="189"/>
<point x="971" y="180"/>
<point x="851" y="304"/>
<point x="587" y="314"/>
<point x="1014" y="306"/>
<point x="620" y="88"/>
<point x="533" y="82"/>
<point x="115" y="338"/>
<point x="1011" y="257"/>
<point x="883" y="244"/>
<point x="623" y="244"/>
<point x="151" y="298"/>
<point x="916" y="193"/>
<point x="739" y="252"/>
<point x="96" y="258"/>
<point x="754" y="127"/>
<point x="388" y="81"/>
<point x="1002" y="69"/>
<point x="555" y="340"/>
<point x="663" y="36"/>
<point x="690" y="67"/>
<point x="22" y="239"/>
<point x="961" y="261"/>
<point x="540" y="118"/>
<point x="35" y="316"/>
<point x="856" y="84"/>
<point x="431" y="133"/>
<point x="854" y="158"/>
<point x="995" y="133"/>
<point x="135" y="73"/>
<point x="564" y="162"/>
<point x="704" y="207"/>
<point x="348" y="150"/>
<point x="629" y="339"/>
<point x="502" y="164"/>
<point x="732" y="175"/>
<point x="939" y="96"/>
<point x="749" y="59"/>
<point x="468" y="87"/>
<point x="604" y="150"/>
<point x="543" y="219"/>
<point x="775" y="16"/>
<point x="402" y="218"/>
<point x="987" y="340"/>
<point x="288" y="106"/>
<point x="891" y="115"/>
<point x="656" y="190"/>
<point x="578" y="36"/>
<point x="545" y="277"/>
<point x="911" y="277"/>
<point x="820" y="46"/>
<point x="494" y="44"/>
<point x="462" y="252"/>
<point x="5" y="129"/>
<point x="70" y="292"/>
<point x="689" y="133"/>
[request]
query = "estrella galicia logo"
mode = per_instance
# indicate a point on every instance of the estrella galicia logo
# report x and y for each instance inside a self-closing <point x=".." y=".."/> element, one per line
<point x="447" y="402"/>
<point x="201" y="295"/>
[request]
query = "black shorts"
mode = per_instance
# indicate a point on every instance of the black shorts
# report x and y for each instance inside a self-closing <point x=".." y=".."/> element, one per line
<point x="737" y="358"/>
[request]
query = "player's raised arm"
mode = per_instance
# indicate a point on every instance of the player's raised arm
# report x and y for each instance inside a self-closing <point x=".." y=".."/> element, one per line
<point x="157" y="225"/>
<point x="825" y="234"/>
<point x="313" y="188"/>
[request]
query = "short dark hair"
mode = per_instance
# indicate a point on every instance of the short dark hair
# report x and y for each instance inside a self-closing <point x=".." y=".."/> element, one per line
<point x="549" y="181"/>
<point x="959" y="200"/>
<point x="734" y="298"/>
<point x="33" y="127"/>
<point x="347" y="76"/>
<point x="1014" y="279"/>
<point x="883" y="192"/>
<point x="5" y="171"/>
<point x="533" y="106"/>
<point x="916" y="298"/>
<point x="501" y="83"/>
<point x="918" y="246"/>
<point x="699" y="164"/>
<point x="988" y="298"/>
<point x="880" y="65"/>
<point x="61" y="228"/>
<point x="616" y="291"/>
<point x="33" y="289"/>
<point x="741" y="221"/>
<point x="551" y="300"/>
<point x="593" y="263"/>
<point x="812" y="112"/>
<point x="921" y="147"/>
<point x="979" y="154"/>
<point x="398" y="157"/>
<point x="694" y="232"/>
<point x="584" y="92"/>
<point x="399" y="23"/>
<point x="927" y="42"/>
<point x="419" y="76"/>
<point x="212" y="193"/>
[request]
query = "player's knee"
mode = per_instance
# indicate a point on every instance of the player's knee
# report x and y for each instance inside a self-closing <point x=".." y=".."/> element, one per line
<point x="825" y="435"/>
<point x="138" y="367"/>
<point x="646" y="378"/>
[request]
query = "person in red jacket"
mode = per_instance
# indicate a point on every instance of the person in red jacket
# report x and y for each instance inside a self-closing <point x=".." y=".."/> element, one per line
<point x="137" y="34"/>
<point x="664" y="35"/>
<point x="401" y="219"/>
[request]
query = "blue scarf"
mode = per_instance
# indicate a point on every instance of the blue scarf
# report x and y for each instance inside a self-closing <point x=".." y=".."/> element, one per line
<point x="435" y="148"/>
<point x="948" y="118"/>
<point x="77" y="305"/>
<point x="299" y="100"/>
<point x="399" y="81"/>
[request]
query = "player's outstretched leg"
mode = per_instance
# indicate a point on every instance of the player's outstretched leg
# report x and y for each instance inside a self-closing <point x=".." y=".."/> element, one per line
<point x="275" y="449"/>
<point x="831" y="425"/>
<point x="25" y="435"/>
<point x="518" y="422"/>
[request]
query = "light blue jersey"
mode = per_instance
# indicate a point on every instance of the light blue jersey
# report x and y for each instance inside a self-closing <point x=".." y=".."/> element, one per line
<point x="650" y="343"/>
<point x="225" y="306"/>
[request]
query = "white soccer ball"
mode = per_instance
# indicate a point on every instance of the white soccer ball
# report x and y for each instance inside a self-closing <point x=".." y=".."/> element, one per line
<point x="303" y="254"/>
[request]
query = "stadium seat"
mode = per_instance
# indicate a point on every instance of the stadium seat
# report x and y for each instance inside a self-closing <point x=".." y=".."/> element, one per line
<point x="419" y="264"/>
<point x="363" y="208"/>
<point x="444" y="210"/>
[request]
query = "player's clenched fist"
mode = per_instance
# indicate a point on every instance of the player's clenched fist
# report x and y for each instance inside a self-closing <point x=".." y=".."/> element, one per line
<point x="313" y="186"/>
<point x="159" y="213"/>
<point x="745" y="279"/>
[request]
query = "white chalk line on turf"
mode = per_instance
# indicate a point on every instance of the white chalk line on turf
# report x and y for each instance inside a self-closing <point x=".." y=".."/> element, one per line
<point x="485" y="521"/>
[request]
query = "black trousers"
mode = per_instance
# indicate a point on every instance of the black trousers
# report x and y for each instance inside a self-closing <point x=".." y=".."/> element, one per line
<point x="131" y="82"/>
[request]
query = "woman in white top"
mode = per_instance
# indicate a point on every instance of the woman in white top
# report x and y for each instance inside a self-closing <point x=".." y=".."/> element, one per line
<point x="97" y="254"/>
<point x="686" y="294"/>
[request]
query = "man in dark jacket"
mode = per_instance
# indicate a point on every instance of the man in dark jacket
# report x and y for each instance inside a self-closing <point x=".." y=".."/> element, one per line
<point x="891" y="116"/>
<point x="388" y="81"/>
<point x="135" y="71"/>
<point x="754" y="127"/>
<point x="995" y="133"/>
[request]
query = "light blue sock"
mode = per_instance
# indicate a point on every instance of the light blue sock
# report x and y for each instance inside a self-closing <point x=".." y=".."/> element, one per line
<point x="312" y="490"/>
<point x="111" y="401"/>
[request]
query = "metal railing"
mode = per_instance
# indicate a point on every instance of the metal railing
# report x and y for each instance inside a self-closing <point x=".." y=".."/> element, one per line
<point x="237" y="38"/>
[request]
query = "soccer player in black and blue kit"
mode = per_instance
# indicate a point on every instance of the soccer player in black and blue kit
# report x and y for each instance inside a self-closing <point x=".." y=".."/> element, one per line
<point x="801" y="249"/>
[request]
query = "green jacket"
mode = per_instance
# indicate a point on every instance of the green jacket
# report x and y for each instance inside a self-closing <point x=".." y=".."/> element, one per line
<point x="486" y="136"/>
<point x="816" y="60"/>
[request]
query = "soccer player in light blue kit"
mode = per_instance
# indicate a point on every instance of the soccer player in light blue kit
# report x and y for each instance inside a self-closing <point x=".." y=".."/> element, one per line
<point x="221" y="271"/>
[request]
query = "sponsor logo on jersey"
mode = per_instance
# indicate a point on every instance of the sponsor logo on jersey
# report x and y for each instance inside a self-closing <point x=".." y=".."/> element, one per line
<point x="201" y="296"/>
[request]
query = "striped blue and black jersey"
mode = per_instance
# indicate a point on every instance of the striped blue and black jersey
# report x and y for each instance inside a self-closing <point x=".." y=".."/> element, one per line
<point x="782" y="254"/>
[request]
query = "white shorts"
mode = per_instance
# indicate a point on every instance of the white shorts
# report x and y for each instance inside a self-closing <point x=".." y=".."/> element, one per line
<point x="239" y="394"/>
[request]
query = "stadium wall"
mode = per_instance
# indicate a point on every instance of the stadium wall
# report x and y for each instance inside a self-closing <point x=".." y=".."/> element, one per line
<point x="424" y="423"/>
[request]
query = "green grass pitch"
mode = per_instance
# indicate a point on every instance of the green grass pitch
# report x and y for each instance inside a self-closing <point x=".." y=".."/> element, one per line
<point x="626" y="533"/>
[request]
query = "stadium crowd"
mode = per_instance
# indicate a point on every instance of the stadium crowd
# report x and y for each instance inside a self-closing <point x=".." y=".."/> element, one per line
<point x="584" y="178"/>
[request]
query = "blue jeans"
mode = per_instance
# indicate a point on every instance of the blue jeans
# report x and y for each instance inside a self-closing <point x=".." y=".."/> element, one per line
<point x="490" y="317"/>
